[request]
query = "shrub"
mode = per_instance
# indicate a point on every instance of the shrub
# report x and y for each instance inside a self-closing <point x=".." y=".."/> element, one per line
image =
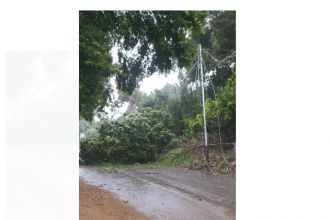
<point x="183" y="138"/>
<point x="159" y="123"/>
<point x="223" y="164"/>
<point x="174" y="156"/>
<point x="132" y="134"/>
<point x="116" y="171"/>
<point x="201" y="165"/>
<point x="176" y="142"/>
<point x="190" y="157"/>
<point x="224" y="105"/>
<point x="94" y="151"/>
<point x="131" y="138"/>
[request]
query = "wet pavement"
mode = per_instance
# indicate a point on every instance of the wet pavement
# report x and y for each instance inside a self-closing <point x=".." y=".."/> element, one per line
<point x="169" y="193"/>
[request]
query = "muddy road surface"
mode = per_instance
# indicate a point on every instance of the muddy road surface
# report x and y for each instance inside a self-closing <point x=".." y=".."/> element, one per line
<point x="168" y="193"/>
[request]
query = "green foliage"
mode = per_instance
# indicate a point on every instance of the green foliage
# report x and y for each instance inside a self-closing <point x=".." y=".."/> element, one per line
<point x="190" y="157"/>
<point x="190" y="106"/>
<point x="94" y="150"/>
<point x="132" y="134"/>
<point x="129" y="139"/>
<point x="223" y="164"/>
<point x="219" y="40"/>
<point x="159" y="37"/>
<point x="183" y="138"/>
<point x="167" y="100"/>
<point x="200" y="165"/>
<point x="228" y="157"/>
<point x="176" y="142"/>
<point x="95" y="61"/>
<point x="160" y="123"/>
<point x="225" y="104"/>
<point x="227" y="98"/>
<point x="174" y="156"/>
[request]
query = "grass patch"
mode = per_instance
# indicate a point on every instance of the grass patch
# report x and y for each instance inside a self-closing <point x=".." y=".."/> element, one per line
<point x="163" y="161"/>
<point x="175" y="157"/>
<point x="113" y="171"/>
<point x="116" y="167"/>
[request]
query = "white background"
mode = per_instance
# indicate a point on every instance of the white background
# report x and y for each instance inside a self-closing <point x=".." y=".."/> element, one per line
<point x="282" y="109"/>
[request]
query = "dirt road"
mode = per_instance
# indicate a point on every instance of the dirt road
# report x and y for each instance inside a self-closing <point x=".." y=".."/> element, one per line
<point x="158" y="193"/>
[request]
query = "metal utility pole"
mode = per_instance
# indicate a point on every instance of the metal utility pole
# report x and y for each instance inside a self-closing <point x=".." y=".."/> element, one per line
<point x="200" y="59"/>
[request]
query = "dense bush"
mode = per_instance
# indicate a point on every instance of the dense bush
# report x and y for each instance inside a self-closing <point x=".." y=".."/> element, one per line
<point x="129" y="139"/>
<point x="160" y="123"/>
<point x="95" y="150"/>
<point x="224" y="106"/>
<point x="168" y="100"/>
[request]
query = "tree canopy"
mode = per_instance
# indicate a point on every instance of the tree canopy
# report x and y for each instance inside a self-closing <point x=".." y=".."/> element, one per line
<point x="160" y="38"/>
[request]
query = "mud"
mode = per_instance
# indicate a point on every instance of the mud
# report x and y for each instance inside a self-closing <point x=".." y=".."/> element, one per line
<point x="168" y="193"/>
<point x="95" y="203"/>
